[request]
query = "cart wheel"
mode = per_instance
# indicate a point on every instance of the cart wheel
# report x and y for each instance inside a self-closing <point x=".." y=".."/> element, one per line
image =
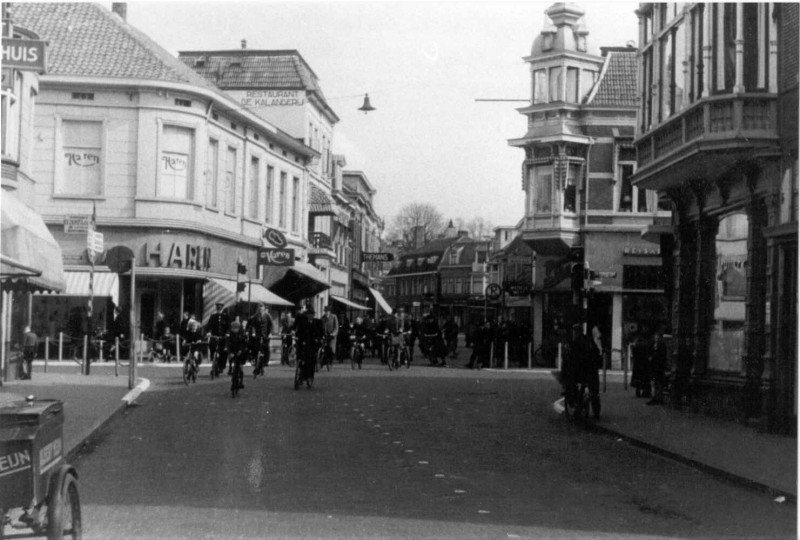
<point x="64" y="509"/>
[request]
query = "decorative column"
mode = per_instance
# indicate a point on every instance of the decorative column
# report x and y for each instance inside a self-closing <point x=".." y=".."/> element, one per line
<point x="683" y="307"/>
<point x="755" y="309"/>
<point x="705" y="280"/>
<point x="707" y="50"/>
<point x="739" y="81"/>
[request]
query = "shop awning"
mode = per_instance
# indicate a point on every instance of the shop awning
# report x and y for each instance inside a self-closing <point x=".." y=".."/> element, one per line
<point x="381" y="301"/>
<point x="348" y="303"/>
<point x="319" y="203"/>
<point x="105" y="284"/>
<point x="297" y="282"/>
<point x="224" y="291"/>
<point x="29" y="244"/>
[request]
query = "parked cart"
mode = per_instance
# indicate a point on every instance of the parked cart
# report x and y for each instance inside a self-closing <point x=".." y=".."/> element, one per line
<point x="38" y="489"/>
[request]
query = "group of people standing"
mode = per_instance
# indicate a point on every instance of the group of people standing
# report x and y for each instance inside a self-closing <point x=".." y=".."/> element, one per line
<point x="489" y="340"/>
<point x="649" y="370"/>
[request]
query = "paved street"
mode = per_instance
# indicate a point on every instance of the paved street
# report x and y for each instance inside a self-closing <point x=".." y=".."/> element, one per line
<point x="420" y="453"/>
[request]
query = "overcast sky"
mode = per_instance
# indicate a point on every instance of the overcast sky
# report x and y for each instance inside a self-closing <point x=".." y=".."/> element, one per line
<point x="424" y="64"/>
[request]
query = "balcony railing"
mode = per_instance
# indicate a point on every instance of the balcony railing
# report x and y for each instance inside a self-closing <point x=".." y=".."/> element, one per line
<point x="741" y="120"/>
<point x="320" y="240"/>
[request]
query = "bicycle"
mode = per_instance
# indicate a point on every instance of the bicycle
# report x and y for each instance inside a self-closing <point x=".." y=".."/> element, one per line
<point x="288" y="350"/>
<point x="237" y="376"/>
<point x="325" y="355"/>
<point x="298" y="374"/>
<point x="358" y="352"/>
<point x="257" y="357"/>
<point x="216" y="370"/>
<point x="431" y="343"/>
<point x="191" y="363"/>
<point x="577" y="409"/>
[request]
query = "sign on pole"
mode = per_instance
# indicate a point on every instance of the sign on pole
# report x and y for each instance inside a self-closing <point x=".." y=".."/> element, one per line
<point x="76" y="224"/>
<point x="376" y="257"/>
<point x="94" y="241"/>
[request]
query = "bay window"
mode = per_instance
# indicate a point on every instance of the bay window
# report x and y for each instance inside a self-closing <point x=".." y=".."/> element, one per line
<point x="542" y="183"/>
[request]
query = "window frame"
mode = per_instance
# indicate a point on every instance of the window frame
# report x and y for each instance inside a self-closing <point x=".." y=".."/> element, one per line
<point x="190" y="160"/>
<point x="231" y="178"/>
<point x="60" y="177"/>
<point x="254" y="177"/>
<point x="212" y="172"/>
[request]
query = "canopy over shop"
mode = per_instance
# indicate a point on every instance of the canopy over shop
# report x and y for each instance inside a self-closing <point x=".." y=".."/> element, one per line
<point x="381" y="301"/>
<point x="348" y="303"/>
<point x="216" y="291"/>
<point x="297" y="282"/>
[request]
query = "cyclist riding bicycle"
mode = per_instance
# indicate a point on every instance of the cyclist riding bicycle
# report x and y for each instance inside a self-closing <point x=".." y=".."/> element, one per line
<point x="432" y="343"/>
<point x="309" y="335"/>
<point x="259" y="329"/>
<point x="237" y="348"/>
<point x="218" y="325"/>
<point x="194" y="339"/>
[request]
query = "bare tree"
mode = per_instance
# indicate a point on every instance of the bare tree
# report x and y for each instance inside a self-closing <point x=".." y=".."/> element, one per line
<point x="413" y="215"/>
<point x="477" y="227"/>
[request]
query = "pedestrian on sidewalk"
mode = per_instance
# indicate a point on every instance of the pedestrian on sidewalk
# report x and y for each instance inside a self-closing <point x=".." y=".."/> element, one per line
<point x="640" y="373"/>
<point x="658" y="367"/>
<point x="29" y="340"/>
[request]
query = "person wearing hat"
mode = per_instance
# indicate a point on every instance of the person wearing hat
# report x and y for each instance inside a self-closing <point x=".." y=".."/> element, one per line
<point x="330" y="324"/>
<point x="579" y="366"/>
<point x="217" y="328"/>
<point x="237" y="346"/>
<point x="259" y="330"/>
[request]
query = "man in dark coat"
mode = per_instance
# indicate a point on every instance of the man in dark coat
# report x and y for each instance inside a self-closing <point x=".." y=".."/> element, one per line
<point x="309" y="333"/>
<point x="218" y="327"/>
<point x="658" y="367"/>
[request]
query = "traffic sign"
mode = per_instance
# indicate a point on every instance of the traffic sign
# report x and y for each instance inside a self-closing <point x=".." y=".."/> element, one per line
<point x="119" y="258"/>
<point x="376" y="257"/>
<point x="76" y="224"/>
<point x="493" y="291"/>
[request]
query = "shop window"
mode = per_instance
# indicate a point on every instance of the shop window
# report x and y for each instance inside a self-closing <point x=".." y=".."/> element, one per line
<point x="643" y="277"/>
<point x="726" y="340"/>
<point x="81" y="160"/>
<point x="212" y="173"/>
<point x="230" y="181"/>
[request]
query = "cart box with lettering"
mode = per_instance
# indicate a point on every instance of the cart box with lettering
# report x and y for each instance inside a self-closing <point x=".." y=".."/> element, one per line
<point x="31" y="447"/>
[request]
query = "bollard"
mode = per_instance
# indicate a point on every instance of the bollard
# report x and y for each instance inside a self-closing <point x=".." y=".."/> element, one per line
<point x="100" y="354"/>
<point x="529" y="355"/>
<point x="85" y="352"/>
<point x="505" y="356"/>
<point x="178" y="348"/>
<point x="625" y="368"/>
<point x="46" y="352"/>
<point x="558" y="358"/>
<point x="491" y="354"/>
<point x="60" y="346"/>
<point x="116" y="357"/>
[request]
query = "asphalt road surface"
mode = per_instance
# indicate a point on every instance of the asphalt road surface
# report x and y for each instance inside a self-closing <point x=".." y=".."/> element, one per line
<point x="418" y="453"/>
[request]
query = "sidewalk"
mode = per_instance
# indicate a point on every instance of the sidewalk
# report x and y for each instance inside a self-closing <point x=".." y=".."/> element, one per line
<point x="89" y="401"/>
<point x="726" y="449"/>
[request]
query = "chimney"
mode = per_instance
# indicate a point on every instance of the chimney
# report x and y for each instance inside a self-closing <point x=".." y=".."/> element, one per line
<point x="244" y="44"/>
<point x="121" y="9"/>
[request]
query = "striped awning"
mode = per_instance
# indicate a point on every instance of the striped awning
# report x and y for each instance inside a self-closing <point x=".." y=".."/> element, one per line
<point x="348" y="303"/>
<point x="104" y="284"/>
<point x="319" y="203"/>
<point x="224" y="291"/>
<point x="381" y="301"/>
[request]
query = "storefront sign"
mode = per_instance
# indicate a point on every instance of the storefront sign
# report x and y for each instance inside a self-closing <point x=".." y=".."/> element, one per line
<point x="177" y="255"/>
<point x="275" y="237"/>
<point x="24" y="54"/>
<point x="276" y="256"/>
<point x="642" y="251"/>
<point x="517" y="287"/>
<point x="76" y="224"/>
<point x="253" y="99"/>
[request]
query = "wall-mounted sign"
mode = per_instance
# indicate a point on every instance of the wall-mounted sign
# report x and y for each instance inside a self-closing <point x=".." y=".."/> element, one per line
<point x="642" y="251"/>
<point x="276" y="256"/>
<point x="518" y="287"/>
<point x="76" y="224"/>
<point x="275" y="237"/>
<point x="24" y="54"/>
<point x="252" y="99"/>
<point x="177" y="255"/>
<point x="376" y="257"/>
<point x="94" y="241"/>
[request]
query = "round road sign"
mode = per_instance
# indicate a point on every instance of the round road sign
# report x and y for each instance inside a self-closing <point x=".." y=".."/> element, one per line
<point x="493" y="291"/>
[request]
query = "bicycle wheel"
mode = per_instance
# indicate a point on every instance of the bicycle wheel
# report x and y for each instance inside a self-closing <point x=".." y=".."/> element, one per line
<point x="187" y="366"/>
<point x="320" y="359"/>
<point x="298" y="380"/>
<point x="328" y="360"/>
<point x="64" y="511"/>
<point x="235" y="379"/>
<point x="405" y="357"/>
<point x="353" y="358"/>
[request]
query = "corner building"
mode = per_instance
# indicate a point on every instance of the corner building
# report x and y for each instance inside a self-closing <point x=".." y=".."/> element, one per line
<point x="177" y="171"/>
<point x="581" y="207"/>
<point x="717" y="137"/>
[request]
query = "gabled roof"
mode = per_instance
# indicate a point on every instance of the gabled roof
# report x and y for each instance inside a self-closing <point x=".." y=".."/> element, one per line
<point x="88" y="40"/>
<point x="250" y="69"/>
<point x="617" y="83"/>
<point x="468" y="247"/>
<point x="424" y="259"/>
